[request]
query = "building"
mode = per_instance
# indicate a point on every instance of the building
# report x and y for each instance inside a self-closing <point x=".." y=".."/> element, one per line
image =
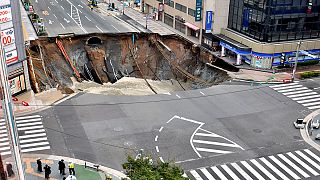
<point x="190" y="16"/>
<point x="264" y="33"/>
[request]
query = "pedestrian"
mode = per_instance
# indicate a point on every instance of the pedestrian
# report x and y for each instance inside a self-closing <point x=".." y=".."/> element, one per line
<point x="71" y="168"/>
<point x="9" y="169"/>
<point x="71" y="177"/>
<point x="62" y="167"/>
<point x="39" y="164"/>
<point x="47" y="171"/>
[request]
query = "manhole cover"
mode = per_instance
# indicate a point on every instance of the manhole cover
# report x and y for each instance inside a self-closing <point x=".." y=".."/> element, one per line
<point x="257" y="130"/>
<point x="117" y="129"/>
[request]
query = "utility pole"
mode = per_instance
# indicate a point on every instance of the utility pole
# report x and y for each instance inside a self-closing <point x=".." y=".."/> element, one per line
<point x="147" y="21"/>
<point x="296" y="60"/>
<point x="201" y="25"/>
<point x="8" y="114"/>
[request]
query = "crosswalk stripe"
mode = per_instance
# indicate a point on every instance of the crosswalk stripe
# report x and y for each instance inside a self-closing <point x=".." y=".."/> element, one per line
<point x="29" y="124"/>
<point x="306" y="97"/>
<point x="219" y="173"/>
<point x="3" y="135"/>
<point x="287" y="87"/>
<point x="309" y="100"/>
<point x="215" y="143"/>
<point x="207" y="174"/>
<point x="314" y="107"/>
<point x="34" y="131"/>
<point x="33" y="140"/>
<point x="27" y="117"/>
<point x="213" y="150"/>
<point x="294" y="89"/>
<point x="3" y="131"/>
<point x="5" y="148"/>
<point x="207" y="135"/>
<point x="303" y="94"/>
<point x="311" y="104"/>
<point x="196" y="175"/>
<point x="35" y="149"/>
<point x="34" y="144"/>
<point x="304" y="174"/>
<point x="254" y="172"/>
<point x="266" y="172"/>
<point x="297" y="92"/>
<point x="3" y="127"/>
<point x="4" y="139"/>
<point x="303" y="164"/>
<point x="32" y="136"/>
<point x="229" y="171"/>
<point x="274" y="169"/>
<point x="312" y="154"/>
<point x="2" y="124"/>
<point x="308" y="159"/>
<point x="241" y="171"/>
<point x="295" y="176"/>
<point x="5" y="153"/>
<point x="28" y="128"/>
<point x="4" y="144"/>
<point x="28" y="120"/>
<point x="283" y="85"/>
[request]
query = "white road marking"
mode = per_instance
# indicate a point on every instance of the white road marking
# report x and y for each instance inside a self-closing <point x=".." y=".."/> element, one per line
<point x="314" y="107"/>
<point x="297" y="92"/>
<point x="36" y="1"/>
<point x="49" y="8"/>
<point x="304" y="174"/>
<point x="67" y="21"/>
<point x="35" y="131"/>
<point x="161" y="159"/>
<point x="156" y="138"/>
<point x="195" y="175"/>
<point x="303" y="164"/>
<point x="4" y="139"/>
<point x="5" y="153"/>
<point x="207" y="174"/>
<point x="202" y="93"/>
<point x="294" y="89"/>
<point x="283" y="85"/>
<point x="295" y="176"/>
<point x="215" y="143"/>
<point x="213" y="150"/>
<point x="157" y="149"/>
<point x="4" y="144"/>
<point x="304" y="94"/>
<point x="27" y="117"/>
<point x="316" y="88"/>
<point x="287" y="87"/>
<point x="80" y="6"/>
<point x="83" y="3"/>
<point x="274" y="169"/>
<point x="306" y="97"/>
<point x="5" y="148"/>
<point x="33" y="140"/>
<point x="99" y="29"/>
<point x="28" y="120"/>
<point x="207" y="135"/>
<point x="29" y="124"/>
<point x="35" y="149"/>
<point x="241" y="171"/>
<point x="219" y="173"/>
<point x="178" y="96"/>
<point x="101" y="17"/>
<point x="308" y="159"/>
<point x="254" y="172"/>
<point x="50" y="22"/>
<point x="309" y="100"/>
<point x="34" y="144"/>
<point x="32" y="136"/>
<point x="228" y="170"/>
<point x="87" y="18"/>
<point x="311" y="104"/>
<point x="28" y="128"/>
<point x="56" y="1"/>
<point x="266" y="172"/>
<point x="160" y="129"/>
<point x="312" y="154"/>
<point x="62" y="26"/>
<point x="62" y="7"/>
<point x="80" y="11"/>
<point x="115" y="28"/>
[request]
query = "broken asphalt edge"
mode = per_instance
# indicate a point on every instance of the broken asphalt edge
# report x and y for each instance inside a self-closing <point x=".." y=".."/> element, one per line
<point x="304" y="132"/>
<point x="260" y="82"/>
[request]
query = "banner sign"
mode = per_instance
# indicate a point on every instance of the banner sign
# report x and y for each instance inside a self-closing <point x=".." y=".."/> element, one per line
<point x="4" y="2"/>
<point x="198" y="13"/>
<point x="208" y="21"/>
<point x="11" y="57"/>
<point x="7" y="37"/>
<point x="5" y="14"/>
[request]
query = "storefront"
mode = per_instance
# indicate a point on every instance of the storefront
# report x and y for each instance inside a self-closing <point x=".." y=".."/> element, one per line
<point x="235" y="52"/>
<point x="192" y="30"/>
<point x="17" y="79"/>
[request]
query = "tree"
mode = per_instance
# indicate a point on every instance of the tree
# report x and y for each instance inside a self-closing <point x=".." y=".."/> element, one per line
<point x="143" y="168"/>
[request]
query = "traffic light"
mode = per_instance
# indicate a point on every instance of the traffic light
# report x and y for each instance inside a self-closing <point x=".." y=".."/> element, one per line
<point x="282" y="59"/>
<point x="309" y="8"/>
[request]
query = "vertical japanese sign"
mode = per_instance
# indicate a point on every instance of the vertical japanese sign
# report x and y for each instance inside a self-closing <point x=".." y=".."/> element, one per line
<point x="198" y="13"/>
<point x="208" y="21"/>
<point x="7" y="32"/>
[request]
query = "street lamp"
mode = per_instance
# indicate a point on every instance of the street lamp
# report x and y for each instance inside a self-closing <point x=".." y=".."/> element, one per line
<point x="296" y="60"/>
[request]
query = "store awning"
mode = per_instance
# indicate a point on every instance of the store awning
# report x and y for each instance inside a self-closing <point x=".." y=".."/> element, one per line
<point x="191" y="26"/>
<point x="234" y="43"/>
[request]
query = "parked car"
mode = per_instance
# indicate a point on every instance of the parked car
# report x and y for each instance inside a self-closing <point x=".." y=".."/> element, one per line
<point x="299" y="123"/>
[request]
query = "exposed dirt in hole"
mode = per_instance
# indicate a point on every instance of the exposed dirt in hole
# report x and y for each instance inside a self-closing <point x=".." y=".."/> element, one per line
<point x="111" y="58"/>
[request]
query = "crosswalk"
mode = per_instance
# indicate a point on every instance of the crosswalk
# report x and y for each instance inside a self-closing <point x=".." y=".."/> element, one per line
<point x="207" y="143"/>
<point x="302" y="95"/>
<point x="31" y="132"/>
<point x="299" y="164"/>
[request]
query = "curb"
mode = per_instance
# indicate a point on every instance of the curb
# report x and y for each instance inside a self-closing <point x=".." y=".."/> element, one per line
<point x="76" y="161"/>
<point x="260" y="82"/>
<point x="304" y="132"/>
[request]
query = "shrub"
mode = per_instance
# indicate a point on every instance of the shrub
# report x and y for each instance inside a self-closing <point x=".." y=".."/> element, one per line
<point x="309" y="74"/>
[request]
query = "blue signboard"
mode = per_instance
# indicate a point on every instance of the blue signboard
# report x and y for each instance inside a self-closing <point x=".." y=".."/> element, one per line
<point x="245" y="21"/>
<point x="208" y="21"/>
<point x="198" y="13"/>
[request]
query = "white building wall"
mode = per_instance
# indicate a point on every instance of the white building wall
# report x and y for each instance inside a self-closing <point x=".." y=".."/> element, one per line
<point x="220" y="17"/>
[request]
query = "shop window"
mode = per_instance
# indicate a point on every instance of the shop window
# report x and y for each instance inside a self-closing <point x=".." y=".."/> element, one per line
<point x="168" y="19"/>
<point x="169" y="3"/>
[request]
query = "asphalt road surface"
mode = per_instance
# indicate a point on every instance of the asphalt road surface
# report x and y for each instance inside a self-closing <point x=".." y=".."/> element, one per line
<point x="70" y="16"/>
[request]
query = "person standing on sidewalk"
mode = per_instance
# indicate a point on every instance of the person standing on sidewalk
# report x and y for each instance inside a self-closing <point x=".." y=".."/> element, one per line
<point x="62" y="167"/>
<point x="39" y="165"/>
<point x="71" y="168"/>
<point x="47" y="171"/>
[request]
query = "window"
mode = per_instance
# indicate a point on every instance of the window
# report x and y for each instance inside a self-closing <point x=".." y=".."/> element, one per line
<point x="191" y="12"/>
<point x="169" y="3"/>
<point x="160" y="1"/>
<point x="181" y="7"/>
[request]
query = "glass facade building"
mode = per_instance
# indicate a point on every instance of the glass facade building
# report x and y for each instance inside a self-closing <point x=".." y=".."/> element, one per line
<point x="275" y="20"/>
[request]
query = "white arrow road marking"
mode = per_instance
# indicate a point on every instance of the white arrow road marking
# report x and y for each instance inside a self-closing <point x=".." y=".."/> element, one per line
<point x="66" y="20"/>
<point x="50" y="22"/>
<point x="80" y="6"/>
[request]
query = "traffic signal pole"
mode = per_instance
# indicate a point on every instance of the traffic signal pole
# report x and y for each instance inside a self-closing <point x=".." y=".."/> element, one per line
<point x="296" y="61"/>
<point x="8" y="114"/>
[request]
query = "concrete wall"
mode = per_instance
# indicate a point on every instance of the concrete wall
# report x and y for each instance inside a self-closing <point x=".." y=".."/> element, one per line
<point x="221" y="13"/>
<point x="271" y="48"/>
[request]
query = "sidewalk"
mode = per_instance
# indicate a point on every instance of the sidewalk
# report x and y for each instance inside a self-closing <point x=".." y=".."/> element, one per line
<point x="308" y="133"/>
<point x="82" y="173"/>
